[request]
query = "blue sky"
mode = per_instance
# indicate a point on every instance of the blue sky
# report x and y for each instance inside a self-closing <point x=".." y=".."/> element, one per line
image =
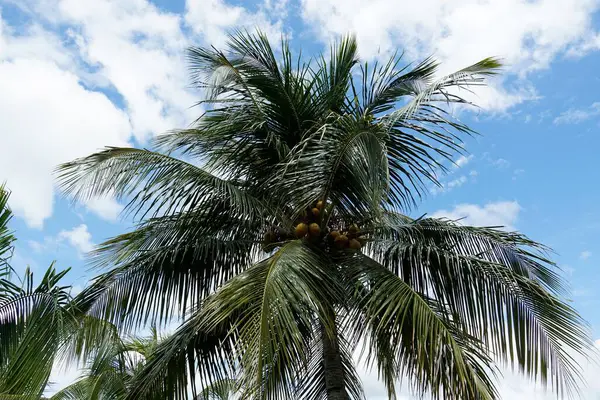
<point x="76" y="75"/>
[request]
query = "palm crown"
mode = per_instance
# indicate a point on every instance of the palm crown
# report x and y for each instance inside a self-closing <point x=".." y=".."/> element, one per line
<point x="34" y="320"/>
<point x="287" y="250"/>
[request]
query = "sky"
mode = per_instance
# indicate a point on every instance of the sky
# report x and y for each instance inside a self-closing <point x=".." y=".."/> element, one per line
<point x="77" y="75"/>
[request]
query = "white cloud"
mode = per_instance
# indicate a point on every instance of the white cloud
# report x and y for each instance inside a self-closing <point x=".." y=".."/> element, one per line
<point x="50" y="109"/>
<point x="589" y="43"/>
<point x="139" y="50"/>
<point x="584" y="255"/>
<point x="502" y="213"/>
<point x="501" y="163"/>
<point x="36" y="246"/>
<point x="457" y="182"/>
<point x="48" y="117"/>
<point x="463" y="160"/>
<point x="105" y="207"/>
<point x="79" y="237"/>
<point x="576" y="116"/>
<point x="212" y="19"/>
<point x="527" y="35"/>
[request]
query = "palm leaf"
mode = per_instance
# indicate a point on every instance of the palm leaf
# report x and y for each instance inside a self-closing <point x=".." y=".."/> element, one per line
<point x="6" y="236"/>
<point x="408" y="338"/>
<point x="497" y="287"/>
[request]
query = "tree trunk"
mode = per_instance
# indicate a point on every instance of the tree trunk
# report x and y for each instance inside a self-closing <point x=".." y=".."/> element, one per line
<point x="334" y="370"/>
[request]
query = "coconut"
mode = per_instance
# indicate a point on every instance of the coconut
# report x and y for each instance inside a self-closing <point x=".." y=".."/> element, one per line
<point x="315" y="212"/>
<point x="320" y="204"/>
<point x="353" y="229"/>
<point x="301" y="230"/>
<point x="334" y="234"/>
<point x="270" y="237"/>
<point x="354" y="244"/>
<point x="314" y="229"/>
<point x="341" y="241"/>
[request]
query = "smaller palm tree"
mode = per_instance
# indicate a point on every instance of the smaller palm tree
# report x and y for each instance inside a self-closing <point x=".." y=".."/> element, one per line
<point x="34" y="320"/>
<point x="113" y="362"/>
<point x="224" y="389"/>
<point x="6" y="236"/>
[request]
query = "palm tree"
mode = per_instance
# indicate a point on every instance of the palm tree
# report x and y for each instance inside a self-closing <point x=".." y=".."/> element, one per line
<point x="112" y="363"/>
<point x="34" y="321"/>
<point x="6" y="236"/>
<point x="288" y="249"/>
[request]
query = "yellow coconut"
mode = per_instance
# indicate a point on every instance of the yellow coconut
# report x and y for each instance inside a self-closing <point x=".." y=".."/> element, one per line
<point x="354" y="244"/>
<point x="301" y="230"/>
<point x="314" y="229"/>
<point x="320" y="204"/>
<point x="334" y="234"/>
<point x="315" y="212"/>
<point x="341" y="241"/>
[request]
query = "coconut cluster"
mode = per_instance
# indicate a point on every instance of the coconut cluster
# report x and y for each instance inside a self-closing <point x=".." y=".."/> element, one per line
<point x="315" y="225"/>
<point x="333" y="237"/>
<point x="349" y="238"/>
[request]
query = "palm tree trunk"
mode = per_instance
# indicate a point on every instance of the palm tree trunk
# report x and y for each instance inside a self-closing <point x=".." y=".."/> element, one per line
<point x="334" y="370"/>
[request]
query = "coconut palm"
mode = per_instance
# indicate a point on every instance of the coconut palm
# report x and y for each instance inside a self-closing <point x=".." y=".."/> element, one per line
<point x="6" y="236"/>
<point x="112" y="363"/>
<point x="34" y="321"/>
<point x="276" y="225"/>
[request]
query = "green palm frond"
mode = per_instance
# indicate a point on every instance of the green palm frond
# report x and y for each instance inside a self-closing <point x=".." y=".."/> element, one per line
<point x="166" y="265"/>
<point x="6" y="236"/>
<point x="79" y="390"/>
<point x="169" y="184"/>
<point x="192" y="349"/>
<point x="34" y="322"/>
<point x="498" y="287"/>
<point x="267" y="313"/>
<point x="409" y="339"/>
<point x="110" y="364"/>
<point x="220" y="390"/>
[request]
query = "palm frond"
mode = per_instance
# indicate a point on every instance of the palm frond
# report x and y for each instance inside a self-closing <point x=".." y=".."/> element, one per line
<point x="408" y="338"/>
<point x="284" y="295"/>
<point x="152" y="182"/>
<point x="34" y="322"/>
<point x="6" y="236"/>
<point x="167" y="265"/>
<point x="223" y="389"/>
<point x="346" y="163"/>
<point x="496" y="286"/>
<point x="314" y="383"/>
<point x="259" y="322"/>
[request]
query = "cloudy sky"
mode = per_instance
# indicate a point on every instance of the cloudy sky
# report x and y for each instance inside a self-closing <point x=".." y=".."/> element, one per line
<point x="76" y="75"/>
